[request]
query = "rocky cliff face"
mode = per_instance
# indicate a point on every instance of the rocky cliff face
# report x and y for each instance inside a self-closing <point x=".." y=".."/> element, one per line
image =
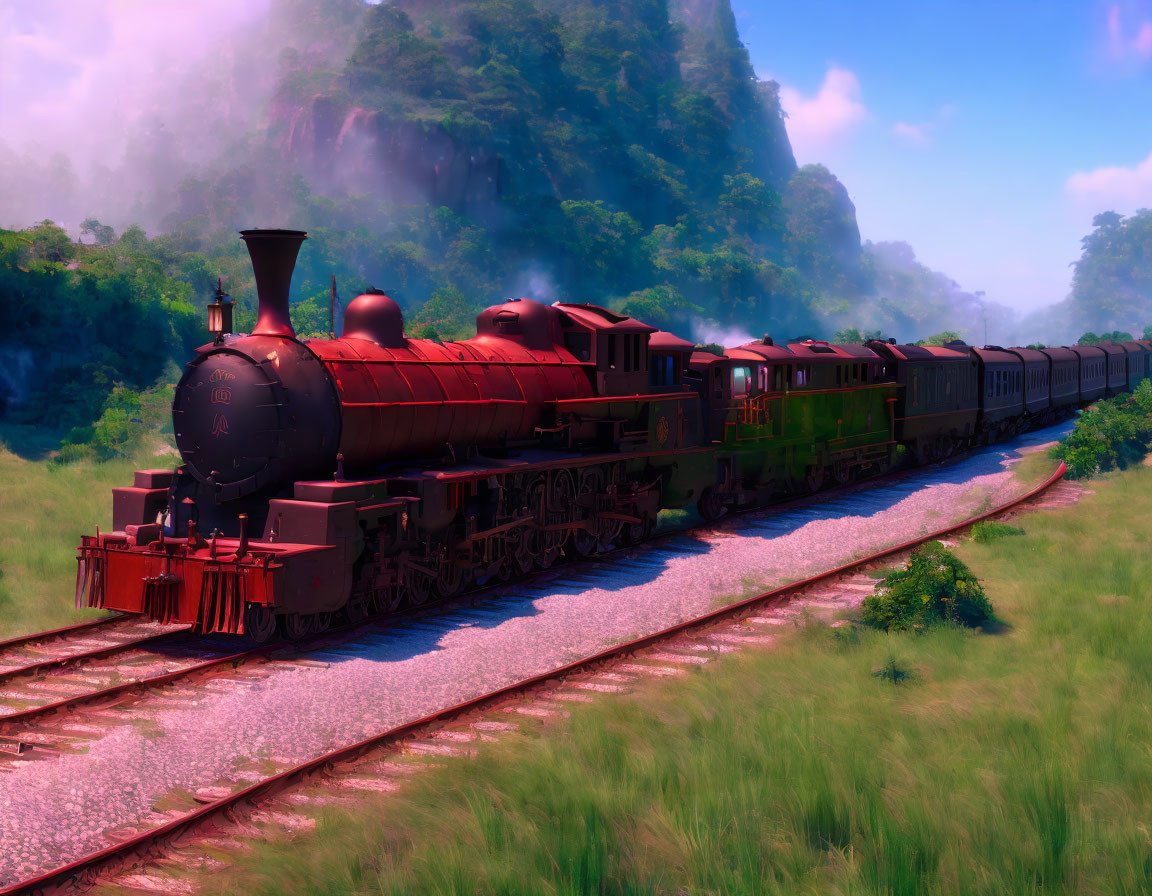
<point x="348" y="149"/>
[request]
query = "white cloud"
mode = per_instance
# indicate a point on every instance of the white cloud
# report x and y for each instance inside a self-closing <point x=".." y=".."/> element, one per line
<point x="1113" y="187"/>
<point x="817" y="124"/>
<point x="918" y="134"/>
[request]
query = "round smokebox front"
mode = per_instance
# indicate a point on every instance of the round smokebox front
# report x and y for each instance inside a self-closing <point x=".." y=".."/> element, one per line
<point x="226" y="414"/>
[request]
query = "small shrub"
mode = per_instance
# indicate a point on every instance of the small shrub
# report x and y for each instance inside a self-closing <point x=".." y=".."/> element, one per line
<point x="846" y="637"/>
<point x="990" y="530"/>
<point x="70" y="453"/>
<point x="893" y="671"/>
<point x="935" y="587"/>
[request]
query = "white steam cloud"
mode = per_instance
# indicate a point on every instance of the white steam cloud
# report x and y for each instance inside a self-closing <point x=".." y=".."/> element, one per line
<point x="711" y="334"/>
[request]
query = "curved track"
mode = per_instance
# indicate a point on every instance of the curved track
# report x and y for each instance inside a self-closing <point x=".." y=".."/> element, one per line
<point x="85" y="869"/>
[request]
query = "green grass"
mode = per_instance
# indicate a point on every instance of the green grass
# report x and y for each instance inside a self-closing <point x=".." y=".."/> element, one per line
<point x="842" y="761"/>
<point x="44" y="509"/>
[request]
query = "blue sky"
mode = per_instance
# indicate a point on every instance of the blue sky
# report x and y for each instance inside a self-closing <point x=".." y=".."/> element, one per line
<point x="985" y="134"/>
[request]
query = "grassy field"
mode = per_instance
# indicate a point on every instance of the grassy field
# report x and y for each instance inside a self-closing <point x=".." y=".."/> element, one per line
<point x="1013" y="761"/>
<point x="44" y="508"/>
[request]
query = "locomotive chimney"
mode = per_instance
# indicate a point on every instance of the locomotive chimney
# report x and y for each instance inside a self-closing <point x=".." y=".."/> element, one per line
<point x="273" y="260"/>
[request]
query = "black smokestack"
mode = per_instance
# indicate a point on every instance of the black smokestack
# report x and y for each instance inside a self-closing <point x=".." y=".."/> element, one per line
<point x="273" y="260"/>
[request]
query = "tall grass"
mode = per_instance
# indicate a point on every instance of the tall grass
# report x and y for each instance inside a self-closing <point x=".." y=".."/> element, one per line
<point x="1007" y="763"/>
<point x="44" y="508"/>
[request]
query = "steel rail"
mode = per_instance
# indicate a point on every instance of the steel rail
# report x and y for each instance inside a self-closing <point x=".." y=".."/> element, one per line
<point x="24" y="716"/>
<point x="21" y="640"/>
<point x="58" y="662"/>
<point x="88" y="866"/>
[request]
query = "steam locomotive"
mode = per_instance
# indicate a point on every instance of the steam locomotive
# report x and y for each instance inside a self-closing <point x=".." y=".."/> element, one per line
<point x="356" y="474"/>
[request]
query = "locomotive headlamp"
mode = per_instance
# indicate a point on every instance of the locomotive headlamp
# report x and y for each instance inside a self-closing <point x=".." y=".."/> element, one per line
<point x="220" y="313"/>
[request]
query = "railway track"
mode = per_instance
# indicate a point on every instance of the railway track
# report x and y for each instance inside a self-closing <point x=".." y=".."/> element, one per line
<point x="31" y="654"/>
<point x="106" y="661"/>
<point x="249" y="795"/>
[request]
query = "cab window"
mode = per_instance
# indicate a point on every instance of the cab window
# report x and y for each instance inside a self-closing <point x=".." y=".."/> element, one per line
<point x="741" y="381"/>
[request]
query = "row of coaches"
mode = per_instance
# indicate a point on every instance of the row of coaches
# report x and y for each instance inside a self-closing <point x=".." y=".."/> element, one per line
<point x="953" y="397"/>
<point x="956" y="395"/>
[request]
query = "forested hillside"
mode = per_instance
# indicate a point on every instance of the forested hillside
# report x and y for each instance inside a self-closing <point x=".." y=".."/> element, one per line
<point x="453" y="154"/>
<point x="617" y="153"/>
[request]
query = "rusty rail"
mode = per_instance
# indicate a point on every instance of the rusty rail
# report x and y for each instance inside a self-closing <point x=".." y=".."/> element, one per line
<point x="88" y="866"/>
<point x="22" y="640"/>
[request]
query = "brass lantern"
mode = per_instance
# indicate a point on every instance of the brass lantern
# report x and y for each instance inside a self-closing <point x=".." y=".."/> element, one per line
<point x="220" y="313"/>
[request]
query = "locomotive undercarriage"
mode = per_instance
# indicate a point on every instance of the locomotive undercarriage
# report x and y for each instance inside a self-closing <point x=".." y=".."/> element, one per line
<point x="505" y="526"/>
<point x="750" y="490"/>
<point x="452" y="531"/>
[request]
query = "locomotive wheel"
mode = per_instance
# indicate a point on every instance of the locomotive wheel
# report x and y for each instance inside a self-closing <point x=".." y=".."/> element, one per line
<point x="535" y="540"/>
<point x="587" y="541"/>
<point x="297" y="626"/>
<point x="387" y="600"/>
<point x="360" y="606"/>
<point x="449" y="580"/>
<point x="561" y="509"/>
<point x="610" y="530"/>
<point x="520" y="551"/>
<point x="546" y="559"/>
<point x="709" y="506"/>
<point x="842" y="472"/>
<point x="418" y="589"/>
<point x="641" y="531"/>
<point x="259" y="623"/>
<point x="321" y="622"/>
<point x="814" y="477"/>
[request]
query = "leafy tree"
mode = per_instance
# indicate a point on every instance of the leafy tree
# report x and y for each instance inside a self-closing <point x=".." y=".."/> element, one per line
<point x="448" y="313"/>
<point x="941" y="338"/>
<point x="823" y="239"/>
<point x="750" y="205"/>
<point x="102" y="234"/>
<point x="1112" y="283"/>
<point x="603" y="244"/>
<point x="852" y="336"/>
<point x="661" y="306"/>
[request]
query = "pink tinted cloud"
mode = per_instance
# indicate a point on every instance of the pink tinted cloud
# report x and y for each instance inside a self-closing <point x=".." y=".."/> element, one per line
<point x="89" y="71"/>
<point x="1112" y="188"/>
<point x="1128" y="26"/>
<point x="819" y="123"/>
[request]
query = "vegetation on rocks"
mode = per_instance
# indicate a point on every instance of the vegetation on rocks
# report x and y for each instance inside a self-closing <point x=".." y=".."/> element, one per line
<point x="1111" y="434"/>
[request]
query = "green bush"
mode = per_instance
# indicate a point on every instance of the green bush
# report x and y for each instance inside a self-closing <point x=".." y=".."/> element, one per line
<point x="935" y="587"/>
<point x="990" y="530"/>
<point x="1111" y="434"/>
